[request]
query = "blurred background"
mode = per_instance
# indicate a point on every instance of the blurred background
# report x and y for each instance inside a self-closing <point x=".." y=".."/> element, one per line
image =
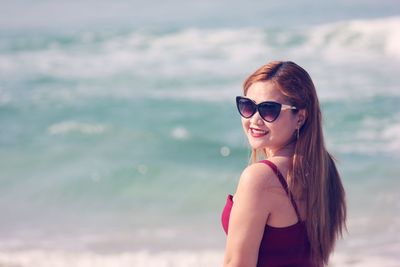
<point x="120" y="140"/>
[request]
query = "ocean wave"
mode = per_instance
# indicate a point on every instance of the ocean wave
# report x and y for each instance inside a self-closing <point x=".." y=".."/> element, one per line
<point x="391" y="135"/>
<point x="362" y="261"/>
<point x="66" y="127"/>
<point x="356" y="40"/>
<point x="355" y="58"/>
<point x="144" y="258"/>
<point x="193" y="50"/>
<point x="370" y="138"/>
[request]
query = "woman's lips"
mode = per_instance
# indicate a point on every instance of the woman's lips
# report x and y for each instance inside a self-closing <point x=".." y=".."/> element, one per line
<point x="254" y="132"/>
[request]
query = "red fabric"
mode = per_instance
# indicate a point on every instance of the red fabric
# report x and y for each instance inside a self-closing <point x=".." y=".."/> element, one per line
<point x="280" y="246"/>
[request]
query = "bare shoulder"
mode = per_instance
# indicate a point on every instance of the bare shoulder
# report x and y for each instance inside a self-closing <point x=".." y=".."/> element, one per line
<point x="258" y="174"/>
<point x="257" y="179"/>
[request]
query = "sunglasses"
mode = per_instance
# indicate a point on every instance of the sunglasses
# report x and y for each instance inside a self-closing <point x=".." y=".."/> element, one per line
<point x="268" y="110"/>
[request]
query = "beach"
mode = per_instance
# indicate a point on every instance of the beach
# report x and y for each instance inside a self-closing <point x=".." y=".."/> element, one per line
<point x="120" y="139"/>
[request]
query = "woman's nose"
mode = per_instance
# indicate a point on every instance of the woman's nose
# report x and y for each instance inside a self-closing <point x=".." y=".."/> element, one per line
<point x="256" y="119"/>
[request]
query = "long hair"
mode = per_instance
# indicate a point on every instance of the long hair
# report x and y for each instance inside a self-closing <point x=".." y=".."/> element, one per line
<point x="313" y="174"/>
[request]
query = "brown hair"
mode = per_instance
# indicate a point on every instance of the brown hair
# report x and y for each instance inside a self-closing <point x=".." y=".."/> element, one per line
<point x="313" y="175"/>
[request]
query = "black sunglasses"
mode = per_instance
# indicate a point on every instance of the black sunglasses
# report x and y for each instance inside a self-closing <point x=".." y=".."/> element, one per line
<point x="268" y="110"/>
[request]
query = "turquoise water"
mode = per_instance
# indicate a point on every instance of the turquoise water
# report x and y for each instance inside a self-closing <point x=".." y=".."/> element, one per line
<point x="126" y="138"/>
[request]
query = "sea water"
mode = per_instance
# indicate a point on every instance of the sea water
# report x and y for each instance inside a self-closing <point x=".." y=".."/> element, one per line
<point x="120" y="141"/>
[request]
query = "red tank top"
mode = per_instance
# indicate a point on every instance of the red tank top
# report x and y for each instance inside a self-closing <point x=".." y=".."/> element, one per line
<point x="280" y="246"/>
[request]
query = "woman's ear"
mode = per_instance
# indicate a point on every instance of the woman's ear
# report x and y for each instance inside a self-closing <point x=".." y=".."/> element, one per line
<point x="301" y="117"/>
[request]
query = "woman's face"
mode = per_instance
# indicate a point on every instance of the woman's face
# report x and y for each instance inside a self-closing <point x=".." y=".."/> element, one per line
<point x="270" y="135"/>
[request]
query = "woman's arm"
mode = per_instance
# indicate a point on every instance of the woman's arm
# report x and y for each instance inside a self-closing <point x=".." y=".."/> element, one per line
<point x="249" y="214"/>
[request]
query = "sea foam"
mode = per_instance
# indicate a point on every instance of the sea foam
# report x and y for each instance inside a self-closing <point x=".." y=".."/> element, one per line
<point x="144" y="258"/>
<point x="74" y="126"/>
<point x="196" y="63"/>
<point x="221" y="51"/>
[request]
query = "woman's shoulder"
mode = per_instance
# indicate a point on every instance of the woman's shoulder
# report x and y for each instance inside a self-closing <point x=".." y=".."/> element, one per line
<point x="258" y="173"/>
<point x="259" y="177"/>
<point x="259" y="184"/>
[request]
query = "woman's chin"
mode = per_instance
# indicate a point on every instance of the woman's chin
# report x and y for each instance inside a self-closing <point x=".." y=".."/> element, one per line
<point x="257" y="144"/>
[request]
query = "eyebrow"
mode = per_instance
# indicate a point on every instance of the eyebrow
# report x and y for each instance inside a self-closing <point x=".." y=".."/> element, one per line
<point x="269" y="100"/>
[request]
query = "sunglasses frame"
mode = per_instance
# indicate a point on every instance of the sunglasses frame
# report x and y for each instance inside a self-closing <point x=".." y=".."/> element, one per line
<point x="256" y="107"/>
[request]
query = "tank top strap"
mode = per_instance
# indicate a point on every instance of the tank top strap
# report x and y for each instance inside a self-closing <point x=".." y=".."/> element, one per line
<point x="284" y="184"/>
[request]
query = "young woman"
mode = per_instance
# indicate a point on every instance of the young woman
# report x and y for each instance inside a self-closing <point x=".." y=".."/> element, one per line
<point x="289" y="208"/>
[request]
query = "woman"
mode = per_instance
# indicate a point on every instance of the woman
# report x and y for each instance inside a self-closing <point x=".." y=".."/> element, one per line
<point x="289" y="208"/>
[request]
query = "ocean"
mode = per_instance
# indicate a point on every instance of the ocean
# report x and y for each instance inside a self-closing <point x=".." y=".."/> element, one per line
<point x="120" y="139"/>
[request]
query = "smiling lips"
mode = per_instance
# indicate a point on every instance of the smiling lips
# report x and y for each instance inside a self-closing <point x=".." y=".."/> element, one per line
<point x="255" y="132"/>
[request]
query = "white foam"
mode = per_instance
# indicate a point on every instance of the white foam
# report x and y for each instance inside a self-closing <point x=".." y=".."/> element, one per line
<point x="195" y="93"/>
<point x="372" y="247"/>
<point x="220" y="51"/>
<point x="372" y="137"/>
<point x="144" y="258"/>
<point x="392" y="136"/>
<point x="357" y="260"/>
<point x="355" y="40"/>
<point x="74" y="126"/>
<point x="42" y="258"/>
<point x="224" y="54"/>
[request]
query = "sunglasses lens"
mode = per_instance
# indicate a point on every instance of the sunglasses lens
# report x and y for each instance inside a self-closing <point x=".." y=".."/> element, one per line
<point x="269" y="111"/>
<point x="246" y="107"/>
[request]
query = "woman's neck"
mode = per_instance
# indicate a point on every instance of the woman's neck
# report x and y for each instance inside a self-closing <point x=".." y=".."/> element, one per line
<point x="284" y="151"/>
